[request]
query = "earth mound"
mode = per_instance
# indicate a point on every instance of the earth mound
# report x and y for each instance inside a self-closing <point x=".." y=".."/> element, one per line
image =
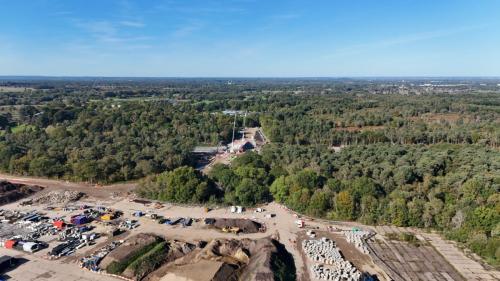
<point x="11" y="192"/>
<point x="245" y="225"/>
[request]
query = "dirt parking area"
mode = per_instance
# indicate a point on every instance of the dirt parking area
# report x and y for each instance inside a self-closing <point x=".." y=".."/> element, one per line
<point x="36" y="268"/>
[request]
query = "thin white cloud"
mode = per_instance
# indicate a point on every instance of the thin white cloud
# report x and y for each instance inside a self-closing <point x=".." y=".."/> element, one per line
<point x="123" y="39"/>
<point x="288" y="16"/>
<point x="97" y="28"/>
<point x="401" y="40"/>
<point x="109" y="32"/>
<point x="128" y="23"/>
<point x="187" y="29"/>
<point x="61" y="13"/>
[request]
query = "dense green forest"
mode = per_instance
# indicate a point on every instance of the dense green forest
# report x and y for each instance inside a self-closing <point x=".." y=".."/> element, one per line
<point x="340" y="150"/>
<point x="105" y="143"/>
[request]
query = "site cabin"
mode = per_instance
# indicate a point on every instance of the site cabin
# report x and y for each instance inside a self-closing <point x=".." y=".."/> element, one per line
<point x="300" y="223"/>
<point x="59" y="224"/>
<point x="10" y="244"/>
<point x="90" y="236"/>
<point x="79" y="220"/>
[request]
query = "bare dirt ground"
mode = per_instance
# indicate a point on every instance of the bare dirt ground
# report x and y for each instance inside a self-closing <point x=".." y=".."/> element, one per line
<point x="220" y="158"/>
<point x="103" y="192"/>
<point x="470" y="269"/>
<point x="404" y="261"/>
<point x="40" y="269"/>
<point x="442" y="117"/>
<point x="11" y="192"/>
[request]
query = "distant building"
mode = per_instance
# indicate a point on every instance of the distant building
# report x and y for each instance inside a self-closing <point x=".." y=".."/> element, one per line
<point x="233" y="112"/>
<point x="206" y="149"/>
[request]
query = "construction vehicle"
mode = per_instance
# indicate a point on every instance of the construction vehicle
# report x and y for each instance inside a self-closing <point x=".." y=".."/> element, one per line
<point x="234" y="229"/>
<point x="300" y="223"/>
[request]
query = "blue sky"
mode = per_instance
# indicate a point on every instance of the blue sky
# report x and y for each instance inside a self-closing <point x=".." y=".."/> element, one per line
<point x="249" y="38"/>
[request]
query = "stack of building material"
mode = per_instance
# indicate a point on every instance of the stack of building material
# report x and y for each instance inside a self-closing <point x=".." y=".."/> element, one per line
<point x="330" y="265"/>
<point x="358" y="238"/>
<point x="347" y="272"/>
<point x="92" y="262"/>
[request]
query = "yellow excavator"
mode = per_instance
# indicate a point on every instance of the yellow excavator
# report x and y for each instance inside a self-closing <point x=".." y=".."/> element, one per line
<point x="234" y="229"/>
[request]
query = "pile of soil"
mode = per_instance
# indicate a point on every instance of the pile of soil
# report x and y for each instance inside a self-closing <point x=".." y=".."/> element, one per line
<point x="245" y="225"/>
<point x="126" y="249"/>
<point x="175" y="250"/>
<point x="11" y="192"/>
<point x="219" y="260"/>
<point x="269" y="261"/>
<point x="230" y="260"/>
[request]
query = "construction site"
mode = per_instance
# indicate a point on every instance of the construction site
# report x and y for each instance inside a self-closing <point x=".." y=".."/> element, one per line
<point x="246" y="139"/>
<point x="116" y="236"/>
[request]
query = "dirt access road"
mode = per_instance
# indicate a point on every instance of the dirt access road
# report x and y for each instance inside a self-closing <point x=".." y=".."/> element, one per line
<point x="98" y="191"/>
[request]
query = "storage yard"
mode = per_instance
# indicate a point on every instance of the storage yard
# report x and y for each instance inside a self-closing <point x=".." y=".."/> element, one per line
<point x="103" y="232"/>
<point x="329" y="263"/>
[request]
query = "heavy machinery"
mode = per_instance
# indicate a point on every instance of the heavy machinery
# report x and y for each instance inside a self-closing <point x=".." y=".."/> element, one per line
<point x="234" y="229"/>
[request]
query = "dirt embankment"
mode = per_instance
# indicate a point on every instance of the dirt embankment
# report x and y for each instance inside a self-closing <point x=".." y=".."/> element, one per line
<point x="11" y="192"/>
